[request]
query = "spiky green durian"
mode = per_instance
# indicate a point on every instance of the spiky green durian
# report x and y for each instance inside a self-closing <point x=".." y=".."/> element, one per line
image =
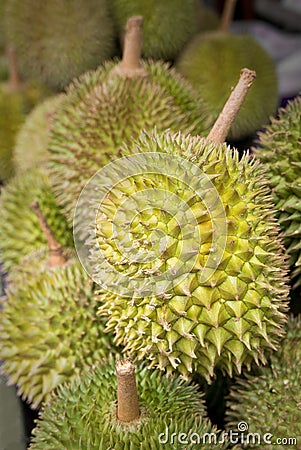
<point x="279" y="148"/>
<point x="48" y="330"/>
<point x="270" y="401"/>
<point x="229" y="318"/>
<point x="109" y="107"/>
<point x="58" y="40"/>
<point x="83" y="415"/>
<point x="30" y="148"/>
<point x="20" y="232"/>
<point x="168" y="25"/>
<point x="211" y="62"/>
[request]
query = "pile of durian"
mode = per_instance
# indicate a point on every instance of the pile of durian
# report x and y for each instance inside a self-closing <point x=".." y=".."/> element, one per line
<point x="151" y="270"/>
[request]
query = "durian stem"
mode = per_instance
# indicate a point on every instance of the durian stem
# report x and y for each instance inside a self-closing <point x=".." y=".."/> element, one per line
<point x="227" y="16"/>
<point x="14" y="79"/>
<point x="127" y="396"/>
<point x="130" y="65"/>
<point x="227" y="116"/>
<point x="56" y="254"/>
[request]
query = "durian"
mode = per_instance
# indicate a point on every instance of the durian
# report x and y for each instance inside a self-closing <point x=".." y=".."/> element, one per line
<point x="187" y="251"/>
<point x="30" y="148"/>
<point x="109" y="107"/>
<point x="20" y="233"/>
<point x="48" y="328"/>
<point x="58" y="40"/>
<point x="269" y="402"/>
<point x="211" y="61"/>
<point x="168" y="25"/>
<point x="89" y="414"/>
<point x="279" y="147"/>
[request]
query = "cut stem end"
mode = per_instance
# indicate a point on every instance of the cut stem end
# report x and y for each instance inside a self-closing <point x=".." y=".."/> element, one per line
<point x="127" y="396"/>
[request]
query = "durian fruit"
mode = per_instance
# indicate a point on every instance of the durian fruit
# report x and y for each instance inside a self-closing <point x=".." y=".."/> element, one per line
<point x="270" y="400"/>
<point x="109" y="107"/>
<point x="20" y="233"/>
<point x="279" y="147"/>
<point x="168" y="25"/>
<point x="58" y="40"/>
<point x="89" y="414"/>
<point x="31" y="144"/>
<point x="16" y="100"/>
<point x="215" y="292"/>
<point x="211" y="61"/>
<point x="48" y="329"/>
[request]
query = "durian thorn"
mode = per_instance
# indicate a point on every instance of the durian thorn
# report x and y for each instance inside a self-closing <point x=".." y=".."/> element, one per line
<point x="127" y="396"/>
<point x="14" y="78"/>
<point x="130" y="65"/>
<point x="230" y="110"/>
<point x="227" y="15"/>
<point x="56" y="254"/>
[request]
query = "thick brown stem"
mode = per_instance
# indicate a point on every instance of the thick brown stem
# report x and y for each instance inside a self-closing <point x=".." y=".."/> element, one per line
<point x="14" y="79"/>
<point x="127" y="396"/>
<point x="130" y="65"/>
<point x="56" y="254"/>
<point x="227" y="16"/>
<point x="224" y="121"/>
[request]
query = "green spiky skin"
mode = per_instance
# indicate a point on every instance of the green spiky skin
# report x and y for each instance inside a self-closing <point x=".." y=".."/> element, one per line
<point x="20" y="231"/>
<point x="212" y="62"/>
<point x="83" y="415"/>
<point x="270" y="402"/>
<point x="167" y="26"/>
<point x="48" y="331"/>
<point x="102" y="111"/>
<point x="14" y="105"/>
<point x="58" y="40"/>
<point x="30" y="149"/>
<point x="238" y="313"/>
<point x="279" y="148"/>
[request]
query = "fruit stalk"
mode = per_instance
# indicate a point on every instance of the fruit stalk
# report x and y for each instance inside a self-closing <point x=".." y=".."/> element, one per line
<point x="14" y="79"/>
<point x="230" y="110"/>
<point x="56" y="254"/>
<point x="227" y="16"/>
<point x="127" y="396"/>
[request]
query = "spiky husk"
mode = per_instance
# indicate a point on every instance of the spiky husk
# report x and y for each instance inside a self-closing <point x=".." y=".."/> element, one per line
<point x="232" y="318"/>
<point x="58" y="40"/>
<point x="270" y="401"/>
<point x="30" y="148"/>
<point x="20" y="231"/>
<point x="83" y="415"/>
<point x="48" y="331"/>
<point x="102" y="111"/>
<point x="279" y="148"/>
<point x="212" y="61"/>
<point x="167" y="26"/>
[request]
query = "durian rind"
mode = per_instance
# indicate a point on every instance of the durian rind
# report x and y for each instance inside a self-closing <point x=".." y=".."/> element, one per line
<point x="278" y="147"/>
<point x="102" y="111"/>
<point x="238" y="314"/>
<point x="83" y="415"/>
<point x="48" y="331"/>
<point x="211" y="62"/>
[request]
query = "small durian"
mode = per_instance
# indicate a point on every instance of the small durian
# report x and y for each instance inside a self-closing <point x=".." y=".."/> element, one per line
<point x="269" y="402"/>
<point x="16" y="100"/>
<point x="215" y="294"/>
<point x="48" y="328"/>
<point x="31" y="142"/>
<point x="168" y="25"/>
<point x="58" y="40"/>
<point x="211" y="61"/>
<point x="120" y="411"/>
<point x="278" y="147"/>
<point x="109" y="107"/>
<point x="20" y="233"/>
